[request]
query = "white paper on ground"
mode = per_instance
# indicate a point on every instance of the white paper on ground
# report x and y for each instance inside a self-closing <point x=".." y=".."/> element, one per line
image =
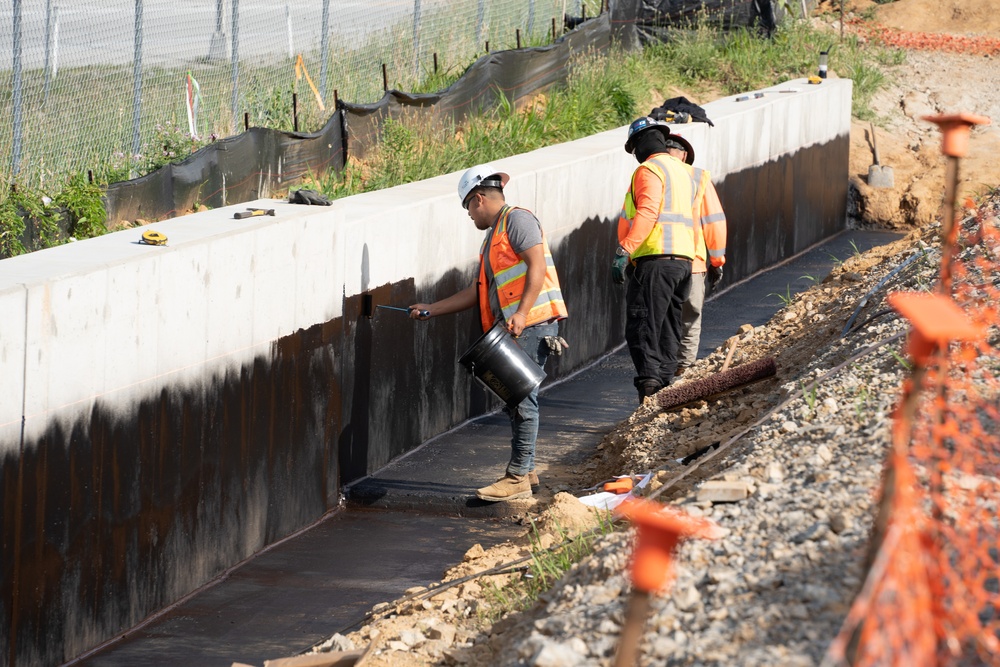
<point x="605" y="500"/>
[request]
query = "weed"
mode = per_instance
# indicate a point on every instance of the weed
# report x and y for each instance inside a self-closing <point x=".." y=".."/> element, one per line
<point x="82" y="201"/>
<point x="809" y="395"/>
<point x="19" y="208"/>
<point x="901" y="359"/>
<point x="546" y="567"/>
<point x="812" y="279"/>
<point x="787" y="297"/>
<point x="861" y="398"/>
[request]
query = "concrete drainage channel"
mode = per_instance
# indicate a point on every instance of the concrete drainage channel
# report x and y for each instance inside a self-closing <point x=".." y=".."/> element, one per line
<point x="406" y="524"/>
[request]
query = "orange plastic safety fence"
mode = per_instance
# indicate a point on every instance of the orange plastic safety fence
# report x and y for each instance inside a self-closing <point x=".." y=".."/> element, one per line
<point x="932" y="593"/>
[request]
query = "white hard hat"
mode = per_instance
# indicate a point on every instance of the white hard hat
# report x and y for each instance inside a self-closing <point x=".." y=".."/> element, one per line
<point x="484" y="175"/>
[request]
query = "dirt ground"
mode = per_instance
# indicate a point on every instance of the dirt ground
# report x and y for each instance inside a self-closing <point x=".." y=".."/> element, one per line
<point x="928" y="83"/>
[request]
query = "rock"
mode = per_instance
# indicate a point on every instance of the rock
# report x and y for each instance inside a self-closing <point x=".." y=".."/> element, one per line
<point x="474" y="553"/>
<point x="723" y="491"/>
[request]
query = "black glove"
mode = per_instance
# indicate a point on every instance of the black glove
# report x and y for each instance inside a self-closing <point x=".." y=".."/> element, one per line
<point x="713" y="276"/>
<point x="308" y="197"/>
<point x="618" y="266"/>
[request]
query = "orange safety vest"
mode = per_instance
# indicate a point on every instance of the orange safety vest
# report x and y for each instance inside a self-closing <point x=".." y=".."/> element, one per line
<point x="673" y="232"/>
<point x="510" y="275"/>
<point x="710" y="224"/>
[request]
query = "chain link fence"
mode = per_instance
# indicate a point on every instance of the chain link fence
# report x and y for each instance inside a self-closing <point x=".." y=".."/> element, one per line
<point x="111" y="87"/>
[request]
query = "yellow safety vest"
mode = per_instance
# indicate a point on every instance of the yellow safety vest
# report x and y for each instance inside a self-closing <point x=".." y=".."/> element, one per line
<point x="673" y="233"/>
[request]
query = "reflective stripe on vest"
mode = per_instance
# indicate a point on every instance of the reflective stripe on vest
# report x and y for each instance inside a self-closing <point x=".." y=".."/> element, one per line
<point x="510" y="277"/>
<point x="673" y="232"/>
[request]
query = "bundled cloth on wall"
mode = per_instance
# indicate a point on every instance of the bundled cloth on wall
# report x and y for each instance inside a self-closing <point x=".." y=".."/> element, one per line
<point x="680" y="110"/>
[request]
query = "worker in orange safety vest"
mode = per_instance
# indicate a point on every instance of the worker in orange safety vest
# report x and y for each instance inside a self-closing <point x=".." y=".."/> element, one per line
<point x="656" y="248"/>
<point x="517" y="283"/>
<point x="706" y="269"/>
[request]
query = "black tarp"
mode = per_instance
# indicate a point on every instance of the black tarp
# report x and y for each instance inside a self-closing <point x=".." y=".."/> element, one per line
<point x="515" y="74"/>
<point x="236" y="169"/>
<point x="262" y="161"/>
<point x="643" y="21"/>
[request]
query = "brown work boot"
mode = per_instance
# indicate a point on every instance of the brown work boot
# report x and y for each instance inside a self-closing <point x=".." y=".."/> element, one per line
<point x="533" y="480"/>
<point x="508" y="487"/>
<point x="680" y="371"/>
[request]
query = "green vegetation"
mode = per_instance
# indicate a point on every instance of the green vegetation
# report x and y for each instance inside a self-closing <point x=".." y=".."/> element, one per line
<point x="787" y="297"/>
<point x="545" y="568"/>
<point x="603" y="91"/>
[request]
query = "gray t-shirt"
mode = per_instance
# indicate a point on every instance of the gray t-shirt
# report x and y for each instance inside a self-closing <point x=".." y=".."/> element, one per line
<point x="524" y="231"/>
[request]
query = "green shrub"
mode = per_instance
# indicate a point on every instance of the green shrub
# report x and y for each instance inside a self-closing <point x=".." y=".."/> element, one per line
<point x="84" y="203"/>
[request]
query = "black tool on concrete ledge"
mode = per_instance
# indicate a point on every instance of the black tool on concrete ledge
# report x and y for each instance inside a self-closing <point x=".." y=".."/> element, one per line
<point x="253" y="212"/>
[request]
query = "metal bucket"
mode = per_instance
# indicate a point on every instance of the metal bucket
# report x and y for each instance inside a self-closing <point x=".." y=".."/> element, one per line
<point x="500" y="365"/>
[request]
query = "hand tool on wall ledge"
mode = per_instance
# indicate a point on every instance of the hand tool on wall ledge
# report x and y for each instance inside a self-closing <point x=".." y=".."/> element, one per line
<point x="253" y="212"/>
<point x="423" y="313"/>
<point x="153" y="237"/>
<point x="716" y="384"/>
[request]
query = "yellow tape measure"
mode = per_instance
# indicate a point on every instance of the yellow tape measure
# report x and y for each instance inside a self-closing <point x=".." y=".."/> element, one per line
<point x="153" y="238"/>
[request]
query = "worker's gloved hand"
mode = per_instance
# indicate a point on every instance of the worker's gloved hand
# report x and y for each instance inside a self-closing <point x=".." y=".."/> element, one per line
<point x="618" y="267"/>
<point x="713" y="276"/>
<point x="556" y="344"/>
<point x="308" y="197"/>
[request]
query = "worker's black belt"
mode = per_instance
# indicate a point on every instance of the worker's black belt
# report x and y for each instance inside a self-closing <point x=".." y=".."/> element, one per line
<point x="646" y="258"/>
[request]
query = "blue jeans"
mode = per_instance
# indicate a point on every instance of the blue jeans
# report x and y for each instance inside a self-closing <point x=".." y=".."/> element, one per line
<point x="524" y="418"/>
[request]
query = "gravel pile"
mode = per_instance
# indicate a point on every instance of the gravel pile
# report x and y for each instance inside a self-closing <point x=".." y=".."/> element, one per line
<point x="789" y="467"/>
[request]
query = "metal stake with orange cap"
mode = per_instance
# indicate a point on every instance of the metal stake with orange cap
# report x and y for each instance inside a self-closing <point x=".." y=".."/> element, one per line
<point x="955" y="130"/>
<point x="660" y="529"/>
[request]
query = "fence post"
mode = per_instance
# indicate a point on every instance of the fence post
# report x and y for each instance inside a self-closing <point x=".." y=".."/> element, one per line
<point x="235" y="59"/>
<point x="137" y="82"/>
<point x="531" y="18"/>
<point x="217" y="47"/>
<point x="324" y="48"/>
<point x="48" y="50"/>
<point x="288" y="29"/>
<point x="480" y="20"/>
<point x="416" y="38"/>
<point x="18" y="101"/>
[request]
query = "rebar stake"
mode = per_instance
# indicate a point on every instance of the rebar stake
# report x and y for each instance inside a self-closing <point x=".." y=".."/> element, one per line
<point x="660" y="528"/>
<point x="955" y="130"/>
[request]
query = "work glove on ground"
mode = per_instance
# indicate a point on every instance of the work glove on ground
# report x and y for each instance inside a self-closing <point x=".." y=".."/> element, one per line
<point x="308" y="197"/>
<point x="618" y="266"/>
<point x="556" y="344"/>
<point x="713" y="276"/>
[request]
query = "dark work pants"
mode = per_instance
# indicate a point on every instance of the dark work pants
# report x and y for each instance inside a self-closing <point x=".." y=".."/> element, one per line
<point x="657" y="290"/>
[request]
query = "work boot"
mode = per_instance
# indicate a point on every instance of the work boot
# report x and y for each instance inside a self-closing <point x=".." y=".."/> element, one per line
<point x="533" y="480"/>
<point x="508" y="487"/>
<point x="680" y="371"/>
<point x="647" y="388"/>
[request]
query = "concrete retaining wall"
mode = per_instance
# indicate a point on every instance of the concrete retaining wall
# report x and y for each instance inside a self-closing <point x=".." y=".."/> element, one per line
<point x="168" y="411"/>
